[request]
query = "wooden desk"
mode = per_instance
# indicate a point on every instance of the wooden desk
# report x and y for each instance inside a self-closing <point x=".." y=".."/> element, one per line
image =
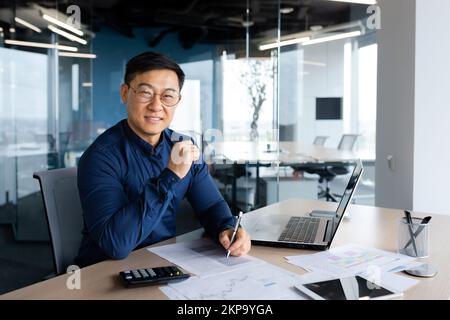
<point x="376" y="227"/>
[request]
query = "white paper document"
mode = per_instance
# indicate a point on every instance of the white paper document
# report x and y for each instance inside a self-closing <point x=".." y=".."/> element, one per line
<point x="202" y="257"/>
<point x="261" y="282"/>
<point x="220" y="278"/>
<point x="350" y="260"/>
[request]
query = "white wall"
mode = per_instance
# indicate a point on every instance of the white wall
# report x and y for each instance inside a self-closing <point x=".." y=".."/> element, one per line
<point x="301" y="82"/>
<point x="202" y="71"/>
<point x="395" y="111"/>
<point x="188" y="114"/>
<point x="413" y="105"/>
<point x="432" y="107"/>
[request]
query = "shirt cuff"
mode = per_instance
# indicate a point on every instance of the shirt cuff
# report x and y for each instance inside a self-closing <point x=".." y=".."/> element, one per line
<point x="164" y="183"/>
<point x="168" y="178"/>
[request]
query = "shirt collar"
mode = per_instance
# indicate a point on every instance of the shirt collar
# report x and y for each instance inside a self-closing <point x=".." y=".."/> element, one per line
<point x="144" y="145"/>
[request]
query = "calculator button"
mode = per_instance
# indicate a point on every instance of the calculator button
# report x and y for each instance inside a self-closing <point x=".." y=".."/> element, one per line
<point x="144" y="273"/>
<point x="151" y="272"/>
<point x="136" y="274"/>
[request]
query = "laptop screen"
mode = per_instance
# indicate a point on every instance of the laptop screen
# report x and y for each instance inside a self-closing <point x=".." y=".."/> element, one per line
<point x="347" y="195"/>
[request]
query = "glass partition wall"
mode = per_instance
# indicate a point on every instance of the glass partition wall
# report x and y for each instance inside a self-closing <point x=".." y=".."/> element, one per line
<point x="264" y="79"/>
<point x="327" y="93"/>
<point x="45" y="118"/>
<point x="247" y="103"/>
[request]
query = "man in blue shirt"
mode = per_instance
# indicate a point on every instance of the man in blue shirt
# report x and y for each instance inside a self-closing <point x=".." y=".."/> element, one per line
<point x="133" y="177"/>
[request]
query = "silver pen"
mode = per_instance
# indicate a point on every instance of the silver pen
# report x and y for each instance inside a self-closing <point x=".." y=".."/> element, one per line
<point x="234" y="232"/>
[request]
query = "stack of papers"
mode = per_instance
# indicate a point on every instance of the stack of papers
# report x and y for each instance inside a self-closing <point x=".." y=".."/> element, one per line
<point x="372" y="264"/>
<point x="219" y="278"/>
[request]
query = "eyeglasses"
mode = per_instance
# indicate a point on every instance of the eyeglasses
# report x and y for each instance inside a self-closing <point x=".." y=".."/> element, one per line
<point x="169" y="98"/>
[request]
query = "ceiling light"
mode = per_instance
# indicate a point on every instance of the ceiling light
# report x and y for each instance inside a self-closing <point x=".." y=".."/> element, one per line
<point x="314" y="63"/>
<point x="333" y="37"/>
<point x="286" y="10"/>
<point x="77" y="55"/>
<point x="27" y="24"/>
<point x="368" y="2"/>
<point x="40" y="45"/>
<point x="62" y="25"/>
<point x="283" y="43"/>
<point x="12" y="30"/>
<point x="66" y="34"/>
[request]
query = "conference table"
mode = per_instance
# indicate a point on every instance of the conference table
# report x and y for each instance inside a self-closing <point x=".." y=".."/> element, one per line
<point x="369" y="226"/>
<point x="281" y="154"/>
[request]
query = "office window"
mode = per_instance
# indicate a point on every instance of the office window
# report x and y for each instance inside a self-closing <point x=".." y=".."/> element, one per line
<point x="248" y="99"/>
<point x="367" y="98"/>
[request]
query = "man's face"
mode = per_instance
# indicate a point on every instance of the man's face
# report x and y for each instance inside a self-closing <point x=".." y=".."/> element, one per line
<point x="149" y="118"/>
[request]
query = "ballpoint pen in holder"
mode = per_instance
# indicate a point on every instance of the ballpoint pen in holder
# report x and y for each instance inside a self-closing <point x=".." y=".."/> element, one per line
<point x="414" y="236"/>
<point x="238" y="222"/>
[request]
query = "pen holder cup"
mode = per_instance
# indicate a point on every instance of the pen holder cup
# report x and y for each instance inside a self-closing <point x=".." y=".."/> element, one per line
<point x="420" y="231"/>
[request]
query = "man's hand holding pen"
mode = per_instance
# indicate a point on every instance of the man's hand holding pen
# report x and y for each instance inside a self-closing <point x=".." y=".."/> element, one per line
<point x="239" y="244"/>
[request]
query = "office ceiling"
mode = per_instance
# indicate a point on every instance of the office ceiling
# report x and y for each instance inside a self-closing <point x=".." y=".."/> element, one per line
<point x="199" y="21"/>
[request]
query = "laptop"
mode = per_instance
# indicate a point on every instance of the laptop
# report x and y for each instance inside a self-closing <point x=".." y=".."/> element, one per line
<point x="309" y="230"/>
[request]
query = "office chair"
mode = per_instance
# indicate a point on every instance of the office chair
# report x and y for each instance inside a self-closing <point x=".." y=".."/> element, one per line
<point x="328" y="173"/>
<point x="63" y="213"/>
<point x="228" y="174"/>
<point x="287" y="132"/>
<point x="320" y="140"/>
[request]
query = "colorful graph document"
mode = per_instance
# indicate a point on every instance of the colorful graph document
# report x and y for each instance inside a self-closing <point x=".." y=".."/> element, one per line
<point x="349" y="260"/>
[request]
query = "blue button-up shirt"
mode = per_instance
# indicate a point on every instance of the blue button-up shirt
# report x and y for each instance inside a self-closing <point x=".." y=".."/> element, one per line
<point x="129" y="196"/>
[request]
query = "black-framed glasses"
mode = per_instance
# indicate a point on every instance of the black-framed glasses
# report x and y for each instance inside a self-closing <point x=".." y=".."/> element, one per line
<point x="169" y="98"/>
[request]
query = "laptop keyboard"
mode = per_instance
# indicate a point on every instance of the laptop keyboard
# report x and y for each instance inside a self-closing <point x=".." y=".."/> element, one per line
<point x="300" y="229"/>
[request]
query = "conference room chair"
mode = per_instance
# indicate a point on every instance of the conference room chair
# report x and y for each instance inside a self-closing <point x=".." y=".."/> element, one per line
<point x="299" y="169"/>
<point x="287" y="132"/>
<point x="329" y="173"/>
<point x="63" y="213"/>
<point x="320" y="140"/>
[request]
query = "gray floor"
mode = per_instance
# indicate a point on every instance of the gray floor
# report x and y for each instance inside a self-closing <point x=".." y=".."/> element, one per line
<point x="22" y="263"/>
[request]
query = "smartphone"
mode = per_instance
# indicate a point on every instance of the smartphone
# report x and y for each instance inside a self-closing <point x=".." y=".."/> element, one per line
<point x="349" y="288"/>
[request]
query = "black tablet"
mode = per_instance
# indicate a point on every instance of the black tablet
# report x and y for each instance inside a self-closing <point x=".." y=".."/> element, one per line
<point x="349" y="288"/>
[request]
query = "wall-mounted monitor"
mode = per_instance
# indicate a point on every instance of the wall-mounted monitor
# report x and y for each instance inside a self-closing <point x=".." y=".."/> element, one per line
<point x="329" y="108"/>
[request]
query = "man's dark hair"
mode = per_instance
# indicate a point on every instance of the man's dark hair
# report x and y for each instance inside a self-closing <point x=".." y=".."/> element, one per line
<point x="149" y="61"/>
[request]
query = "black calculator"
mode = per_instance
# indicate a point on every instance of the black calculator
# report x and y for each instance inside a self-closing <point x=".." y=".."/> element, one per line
<point x="157" y="275"/>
